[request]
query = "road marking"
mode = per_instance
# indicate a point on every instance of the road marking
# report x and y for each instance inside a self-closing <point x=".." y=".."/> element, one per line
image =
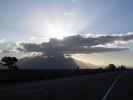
<point x="111" y="87"/>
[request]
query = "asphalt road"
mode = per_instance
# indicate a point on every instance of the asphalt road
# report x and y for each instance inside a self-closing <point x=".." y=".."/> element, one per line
<point x="123" y="90"/>
<point x="88" y="87"/>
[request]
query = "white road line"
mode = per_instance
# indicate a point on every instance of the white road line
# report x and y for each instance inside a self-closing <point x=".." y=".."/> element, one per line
<point x="111" y="87"/>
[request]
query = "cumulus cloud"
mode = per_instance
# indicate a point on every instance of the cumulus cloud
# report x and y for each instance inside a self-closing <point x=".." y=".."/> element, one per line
<point x="8" y="49"/>
<point x="78" y="44"/>
<point x="33" y="54"/>
<point x="40" y="62"/>
<point x="115" y="44"/>
<point x="88" y="43"/>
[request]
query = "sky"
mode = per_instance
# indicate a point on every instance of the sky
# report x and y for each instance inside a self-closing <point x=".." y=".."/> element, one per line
<point x="26" y="22"/>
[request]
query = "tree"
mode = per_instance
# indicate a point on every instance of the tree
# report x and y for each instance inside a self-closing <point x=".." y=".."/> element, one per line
<point x="10" y="62"/>
<point x="111" y="67"/>
<point x="122" y="68"/>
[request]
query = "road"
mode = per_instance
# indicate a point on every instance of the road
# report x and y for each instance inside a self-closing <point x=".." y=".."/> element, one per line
<point x="88" y="87"/>
<point x="123" y="90"/>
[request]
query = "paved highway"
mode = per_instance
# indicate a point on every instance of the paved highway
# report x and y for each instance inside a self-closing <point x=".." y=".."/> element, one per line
<point x="88" y="87"/>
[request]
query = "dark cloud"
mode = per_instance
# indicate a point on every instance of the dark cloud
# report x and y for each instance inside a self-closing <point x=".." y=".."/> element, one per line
<point x="93" y="50"/>
<point x="92" y="41"/>
<point x="40" y="62"/>
<point x="6" y="51"/>
<point x="75" y="44"/>
<point x="30" y="47"/>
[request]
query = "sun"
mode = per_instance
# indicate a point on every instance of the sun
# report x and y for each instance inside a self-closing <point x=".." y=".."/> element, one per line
<point x="56" y="31"/>
<point x="55" y="26"/>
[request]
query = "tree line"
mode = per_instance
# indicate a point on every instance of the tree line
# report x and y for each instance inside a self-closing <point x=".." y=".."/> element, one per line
<point x="10" y="62"/>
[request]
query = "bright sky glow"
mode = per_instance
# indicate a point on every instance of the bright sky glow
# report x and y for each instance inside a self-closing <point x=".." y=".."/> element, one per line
<point x="37" y="21"/>
<point x="56" y="25"/>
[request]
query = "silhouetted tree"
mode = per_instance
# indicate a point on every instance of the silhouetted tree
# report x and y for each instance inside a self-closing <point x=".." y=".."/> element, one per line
<point x="111" y="67"/>
<point x="10" y="62"/>
<point x="100" y="69"/>
<point x="122" y="68"/>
